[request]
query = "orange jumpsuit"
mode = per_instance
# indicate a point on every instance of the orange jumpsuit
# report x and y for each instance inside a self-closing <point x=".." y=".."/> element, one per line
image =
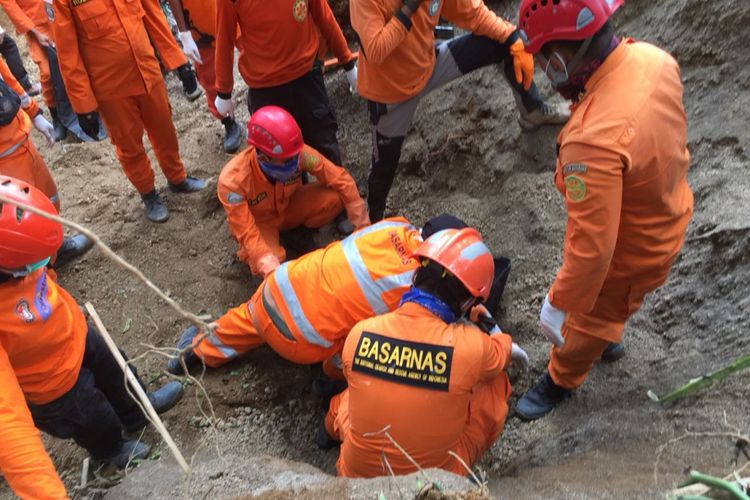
<point x="257" y="209"/>
<point x="161" y="36"/>
<point x="42" y="338"/>
<point x="622" y="168"/>
<point x="108" y="65"/>
<point x="305" y="309"/>
<point x="396" y="63"/>
<point x="278" y="41"/>
<point x="18" y="156"/>
<point x="434" y="387"/>
<point x="27" y="15"/>
<point x="200" y="17"/>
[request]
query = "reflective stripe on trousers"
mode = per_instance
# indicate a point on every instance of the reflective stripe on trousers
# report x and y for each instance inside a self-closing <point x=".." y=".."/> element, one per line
<point x="227" y="352"/>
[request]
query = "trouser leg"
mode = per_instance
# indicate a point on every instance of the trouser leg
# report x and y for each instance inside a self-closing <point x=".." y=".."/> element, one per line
<point x="206" y="74"/>
<point x="9" y="51"/>
<point x="156" y="114"/>
<point x="27" y="164"/>
<point x="235" y="335"/>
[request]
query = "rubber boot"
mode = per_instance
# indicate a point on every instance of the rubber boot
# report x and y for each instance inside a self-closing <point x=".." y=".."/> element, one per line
<point x="613" y="352"/>
<point x="233" y="134"/>
<point x="189" y="83"/>
<point x="155" y="209"/>
<point x="127" y="451"/>
<point x="322" y="439"/>
<point x="343" y="226"/>
<point x="72" y="248"/>
<point x="59" y="129"/>
<point x="541" y="399"/>
<point x="162" y="399"/>
<point x="189" y="185"/>
<point x="174" y="366"/>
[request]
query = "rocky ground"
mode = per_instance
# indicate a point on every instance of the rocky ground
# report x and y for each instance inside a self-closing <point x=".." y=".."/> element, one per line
<point x="465" y="154"/>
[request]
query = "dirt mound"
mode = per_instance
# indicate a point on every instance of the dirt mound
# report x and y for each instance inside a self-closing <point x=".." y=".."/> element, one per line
<point x="466" y="155"/>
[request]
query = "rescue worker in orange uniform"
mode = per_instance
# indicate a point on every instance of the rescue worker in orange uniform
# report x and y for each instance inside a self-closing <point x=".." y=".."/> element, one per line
<point x="20" y="159"/>
<point x="109" y="66"/>
<point x="278" y="44"/>
<point x="446" y="377"/>
<point x="305" y="308"/>
<point x="30" y="19"/>
<point x="196" y="20"/>
<point x="621" y="166"/>
<point x="400" y="63"/>
<point x="263" y="192"/>
<point x="56" y="373"/>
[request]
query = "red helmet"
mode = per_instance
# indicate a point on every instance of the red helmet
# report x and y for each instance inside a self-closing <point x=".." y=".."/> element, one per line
<point x="273" y="131"/>
<point x="543" y="21"/>
<point x="462" y="252"/>
<point x="26" y="238"/>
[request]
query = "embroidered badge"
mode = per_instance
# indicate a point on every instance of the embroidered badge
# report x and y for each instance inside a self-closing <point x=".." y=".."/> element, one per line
<point x="262" y="196"/>
<point x="575" y="168"/>
<point x="49" y="10"/>
<point x="575" y="188"/>
<point x="42" y="306"/>
<point x="76" y="3"/>
<point x="234" y="198"/>
<point x="299" y="10"/>
<point x="309" y="162"/>
<point x="434" y="7"/>
<point x="24" y="312"/>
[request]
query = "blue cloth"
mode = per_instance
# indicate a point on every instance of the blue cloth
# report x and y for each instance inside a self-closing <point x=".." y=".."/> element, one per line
<point x="281" y="173"/>
<point x="429" y="302"/>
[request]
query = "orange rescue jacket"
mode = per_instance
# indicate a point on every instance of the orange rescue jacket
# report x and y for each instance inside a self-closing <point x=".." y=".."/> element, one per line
<point x="622" y="168"/>
<point x="278" y="41"/>
<point x="200" y="16"/>
<point x="321" y="295"/>
<point x="16" y="133"/>
<point x="42" y="341"/>
<point x="26" y="15"/>
<point x="396" y="62"/>
<point x="104" y="51"/>
<point x="413" y="372"/>
<point x="249" y="197"/>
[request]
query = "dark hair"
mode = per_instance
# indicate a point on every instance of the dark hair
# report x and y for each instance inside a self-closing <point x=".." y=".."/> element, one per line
<point x="445" y="221"/>
<point x="433" y="278"/>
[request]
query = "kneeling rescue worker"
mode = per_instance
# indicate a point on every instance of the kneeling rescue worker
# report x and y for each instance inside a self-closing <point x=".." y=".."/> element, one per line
<point x="621" y="166"/>
<point x="435" y="383"/>
<point x="56" y="373"/>
<point x="305" y="308"/>
<point x="263" y="192"/>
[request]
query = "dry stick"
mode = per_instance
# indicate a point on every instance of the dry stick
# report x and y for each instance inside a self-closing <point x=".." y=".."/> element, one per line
<point x="384" y="430"/>
<point x="194" y="319"/>
<point x="138" y="389"/>
<point x="480" y="484"/>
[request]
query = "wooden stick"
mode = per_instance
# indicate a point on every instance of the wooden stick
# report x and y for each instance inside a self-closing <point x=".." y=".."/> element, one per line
<point x="144" y="401"/>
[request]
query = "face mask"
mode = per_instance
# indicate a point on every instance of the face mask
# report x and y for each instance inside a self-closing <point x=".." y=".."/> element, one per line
<point x="281" y="173"/>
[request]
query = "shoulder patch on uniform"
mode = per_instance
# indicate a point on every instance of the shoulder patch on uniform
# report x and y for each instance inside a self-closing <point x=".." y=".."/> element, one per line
<point x="23" y="311"/>
<point x="299" y="10"/>
<point x="76" y="3"/>
<point x="575" y="188"/>
<point x="404" y="362"/>
<point x="309" y="161"/>
<point x="234" y="198"/>
<point x="49" y="10"/>
<point x="434" y="7"/>
<point x="575" y="168"/>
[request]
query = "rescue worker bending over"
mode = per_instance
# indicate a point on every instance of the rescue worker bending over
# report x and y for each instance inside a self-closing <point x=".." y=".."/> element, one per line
<point x="263" y="192"/>
<point x="435" y="383"/>
<point x="56" y="372"/>
<point x="20" y="159"/>
<point x="108" y="65"/>
<point x="622" y="167"/>
<point x="305" y="308"/>
<point x="400" y="64"/>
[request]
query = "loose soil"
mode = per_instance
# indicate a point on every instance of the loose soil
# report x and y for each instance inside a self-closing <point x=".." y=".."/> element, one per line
<point x="464" y="154"/>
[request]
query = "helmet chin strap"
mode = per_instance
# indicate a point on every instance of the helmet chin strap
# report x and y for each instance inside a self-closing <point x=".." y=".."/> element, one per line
<point x="560" y="78"/>
<point x="28" y="269"/>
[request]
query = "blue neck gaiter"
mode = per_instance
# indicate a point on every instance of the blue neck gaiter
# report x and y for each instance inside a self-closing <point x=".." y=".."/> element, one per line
<point x="431" y="303"/>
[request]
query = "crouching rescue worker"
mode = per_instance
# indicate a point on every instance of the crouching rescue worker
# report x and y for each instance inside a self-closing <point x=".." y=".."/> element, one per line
<point x="56" y="373"/>
<point x="621" y="166"/>
<point x="435" y="383"/>
<point x="20" y="159"/>
<point x="109" y="66"/>
<point x="263" y="192"/>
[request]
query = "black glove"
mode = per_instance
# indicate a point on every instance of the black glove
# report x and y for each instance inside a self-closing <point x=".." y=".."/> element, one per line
<point x="89" y="123"/>
<point x="487" y="324"/>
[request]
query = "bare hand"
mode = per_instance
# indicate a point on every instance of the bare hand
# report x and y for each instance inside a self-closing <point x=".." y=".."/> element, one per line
<point x="43" y="39"/>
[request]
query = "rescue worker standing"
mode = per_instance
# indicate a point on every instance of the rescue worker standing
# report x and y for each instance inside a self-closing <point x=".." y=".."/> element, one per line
<point x="278" y="45"/>
<point x="400" y="64"/>
<point x="56" y="373"/>
<point x="263" y="193"/>
<point x="622" y="167"/>
<point x="435" y="384"/>
<point x="196" y="20"/>
<point x="29" y="18"/>
<point x="109" y="66"/>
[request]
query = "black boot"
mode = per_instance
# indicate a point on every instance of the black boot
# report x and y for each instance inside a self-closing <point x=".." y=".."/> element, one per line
<point x="127" y="451"/>
<point x="189" y="82"/>
<point x="155" y="209"/>
<point x="72" y="248"/>
<point x="174" y="366"/>
<point x="233" y="133"/>
<point x="541" y="399"/>
<point x="59" y="129"/>
<point x="322" y="439"/>
<point x="613" y="352"/>
<point x="162" y="399"/>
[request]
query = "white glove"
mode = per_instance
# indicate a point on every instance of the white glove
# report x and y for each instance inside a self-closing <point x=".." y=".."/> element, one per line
<point x="551" y="320"/>
<point x="45" y="127"/>
<point x="519" y="358"/>
<point x="225" y="107"/>
<point x="351" y="77"/>
<point x="189" y="48"/>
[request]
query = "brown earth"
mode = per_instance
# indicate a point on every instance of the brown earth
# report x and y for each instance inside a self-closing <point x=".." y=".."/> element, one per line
<point x="465" y="154"/>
